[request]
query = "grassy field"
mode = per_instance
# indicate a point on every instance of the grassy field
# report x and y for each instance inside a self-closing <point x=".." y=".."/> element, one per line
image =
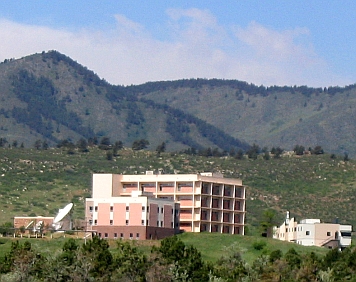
<point x="211" y="245"/>
<point x="39" y="182"/>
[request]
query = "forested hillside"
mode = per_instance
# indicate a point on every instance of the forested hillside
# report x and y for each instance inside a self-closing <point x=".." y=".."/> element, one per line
<point x="50" y="97"/>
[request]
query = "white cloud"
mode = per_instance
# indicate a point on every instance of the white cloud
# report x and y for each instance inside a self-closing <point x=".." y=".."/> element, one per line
<point x="198" y="47"/>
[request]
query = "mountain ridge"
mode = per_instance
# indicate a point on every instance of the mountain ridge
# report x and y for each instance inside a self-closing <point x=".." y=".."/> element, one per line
<point x="199" y="113"/>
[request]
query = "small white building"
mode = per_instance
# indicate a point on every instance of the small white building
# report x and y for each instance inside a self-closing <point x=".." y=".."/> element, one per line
<point x="312" y="232"/>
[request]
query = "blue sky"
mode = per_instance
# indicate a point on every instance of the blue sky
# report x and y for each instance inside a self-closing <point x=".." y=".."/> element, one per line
<point x="130" y="42"/>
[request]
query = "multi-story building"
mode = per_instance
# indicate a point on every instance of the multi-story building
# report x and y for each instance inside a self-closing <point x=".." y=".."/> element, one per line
<point x="312" y="232"/>
<point x="139" y="216"/>
<point x="208" y="202"/>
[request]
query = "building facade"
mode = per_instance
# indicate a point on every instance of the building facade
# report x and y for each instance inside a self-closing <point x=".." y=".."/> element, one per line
<point x="139" y="216"/>
<point x="33" y="224"/>
<point x="208" y="202"/>
<point x="312" y="232"/>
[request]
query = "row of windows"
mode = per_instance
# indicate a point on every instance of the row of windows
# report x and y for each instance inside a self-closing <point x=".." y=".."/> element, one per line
<point x="106" y="235"/>
<point x="159" y="223"/>
<point x="159" y="210"/>
<point x="328" y="233"/>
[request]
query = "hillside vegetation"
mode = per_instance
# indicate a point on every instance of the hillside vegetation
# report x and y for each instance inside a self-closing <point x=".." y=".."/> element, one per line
<point x="39" y="182"/>
<point x="49" y="96"/>
<point x="187" y="257"/>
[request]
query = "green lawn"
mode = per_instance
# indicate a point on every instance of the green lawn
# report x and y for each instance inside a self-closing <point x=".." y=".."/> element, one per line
<point x="211" y="245"/>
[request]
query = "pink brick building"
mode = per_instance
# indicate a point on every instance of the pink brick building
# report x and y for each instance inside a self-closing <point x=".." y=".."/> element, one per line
<point x="136" y="216"/>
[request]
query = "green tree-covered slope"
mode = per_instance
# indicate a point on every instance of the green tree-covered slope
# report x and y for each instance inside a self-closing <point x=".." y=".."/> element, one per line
<point x="49" y="96"/>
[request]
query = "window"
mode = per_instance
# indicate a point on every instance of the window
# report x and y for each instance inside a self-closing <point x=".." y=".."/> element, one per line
<point x="171" y="224"/>
<point x="111" y="222"/>
<point x="95" y="222"/>
<point x="137" y="235"/>
<point x="90" y="222"/>
<point x="121" y="235"/>
<point x="96" y="208"/>
<point x="148" y="209"/>
<point x="179" y="187"/>
<point x="147" y="222"/>
<point x="91" y="208"/>
<point x="106" y="235"/>
<point x="99" y="235"/>
<point x="127" y="208"/>
<point x="131" y="235"/>
<point x="115" y="235"/>
<point x="346" y="234"/>
<point x="142" y="222"/>
<point x="158" y="210"/>
<point x="161" y="223"/>
<point x="161" y="210"/>
<point x="328" y="233"/>
<point x="143" y="208"/>
<point x="307" y="232"/>
<point x="111" y="208"/>
<point x="157" y="223"/>
<point x="127" y="222"/>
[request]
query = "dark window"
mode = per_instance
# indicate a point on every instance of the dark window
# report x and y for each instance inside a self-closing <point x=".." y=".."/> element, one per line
<point x="142" y="222"/>
<point x="115" y="235"/>
<point x="99" y="235"/>
<point x="307" y="232"/>
<point x="137" y="235"/>
<point x="345" y="233"/>
<point x="148" y="209"/>
<point x="328" y="233"/>
<point x="161" y="210"/>
<point x="111" y="208"/>
<point x="143" y="208"/>
<point x="91" y="208"/>
<point x="106" y="235"/>
<point x="127" y="222"/>
<point x="90" y="222"/>
<point x="131" y="235"/>
<point x="121" y="235"/>
<point x="158" y="210"/>
<point x="111" y="222"/>
<point x="161" y="223"/>
<point x="95" y="222"/>
<point x="96" y="208"/>
<point x="157" y="223"/>
<point x="127" y="208"/>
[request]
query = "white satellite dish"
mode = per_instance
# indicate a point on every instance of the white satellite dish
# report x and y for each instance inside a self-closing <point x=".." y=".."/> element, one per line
<point x="61" y="215"/>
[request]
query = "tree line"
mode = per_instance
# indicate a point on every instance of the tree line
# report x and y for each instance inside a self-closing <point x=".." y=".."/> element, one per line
<point x="172" y="260"/>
